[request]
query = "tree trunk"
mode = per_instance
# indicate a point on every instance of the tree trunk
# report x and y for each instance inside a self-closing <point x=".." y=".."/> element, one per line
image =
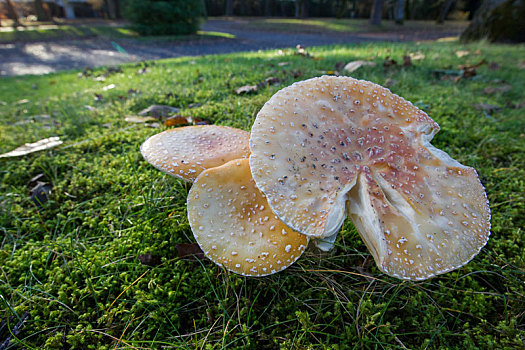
<point x="304" y="8"/>
<point x="377" y="12"/>
<point x="267" y="8"/>
<point x="112" y="8"/>
<point x="229" y="7"/>
<point x="41" y="13"/>
<point x="204" y="10"/>
<point x="11" y="12"/>
<point x="341" y="10"/>
<point x="497" y="20"/>
<point x="297" y="8"/>
<point x="443" y="15"/>
<point x="400" y="12"/>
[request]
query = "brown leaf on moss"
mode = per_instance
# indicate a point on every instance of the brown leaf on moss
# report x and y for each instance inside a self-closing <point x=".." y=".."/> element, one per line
<point x="472" y="66"/>
<point x="177" y="120"/>
<point x="149" y="259"/>
<point x="189" y="250"/>
<point x="407" y="61"/>
<point x="246" y="89"/>
<point x="199" y="121"/>
<point x="491" y="90"/>
<point x="355" y="65"/>
<point x="487" y="107"/>
<point x="462" y="53"/>
<point x="389" y="63"/>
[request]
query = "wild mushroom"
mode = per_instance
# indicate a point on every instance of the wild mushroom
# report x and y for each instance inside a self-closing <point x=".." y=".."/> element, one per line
<point x="185" y="152"/>
<point x="232" y="222"/>
<point x="325" y="142"/>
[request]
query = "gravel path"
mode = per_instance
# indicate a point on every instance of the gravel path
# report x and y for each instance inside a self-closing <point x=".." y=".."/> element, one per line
<point x="46" y="57"/>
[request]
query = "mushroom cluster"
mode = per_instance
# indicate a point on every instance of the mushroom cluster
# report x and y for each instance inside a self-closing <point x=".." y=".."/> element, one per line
<point x="321" y="150"/>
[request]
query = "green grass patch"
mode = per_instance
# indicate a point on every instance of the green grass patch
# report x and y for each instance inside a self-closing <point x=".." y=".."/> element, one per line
<point x="320" y="25"/>
<point x="67" y="31"/>
<point x="72" y="264"/>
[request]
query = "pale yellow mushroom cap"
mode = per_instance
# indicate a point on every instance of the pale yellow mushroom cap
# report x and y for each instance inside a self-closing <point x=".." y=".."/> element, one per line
<point x="185" y="152"/>
<point x="234" y="225"/>
<point x="331" y="146"/>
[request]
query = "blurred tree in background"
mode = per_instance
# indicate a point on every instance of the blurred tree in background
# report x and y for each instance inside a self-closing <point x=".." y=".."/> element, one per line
<point x="398" y="10"/>
<point x="168" y="17"/>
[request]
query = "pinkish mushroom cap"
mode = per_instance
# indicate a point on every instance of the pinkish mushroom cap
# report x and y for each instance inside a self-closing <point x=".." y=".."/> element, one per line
<point x="234" y="225"/>
<point x="186" y="152"/>
<point x="331" y="146"/>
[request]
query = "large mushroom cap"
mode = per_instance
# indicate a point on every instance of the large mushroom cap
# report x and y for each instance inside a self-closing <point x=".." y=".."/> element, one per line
<point x="232" y="222"/>
<point x="185" y="152"/>
<point x="323" y="142"/>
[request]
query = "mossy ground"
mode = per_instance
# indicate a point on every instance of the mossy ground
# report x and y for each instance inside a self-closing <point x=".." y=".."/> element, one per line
<point x="72" y="264"/>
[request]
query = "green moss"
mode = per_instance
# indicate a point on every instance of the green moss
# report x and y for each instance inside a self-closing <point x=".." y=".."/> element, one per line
<point x="73" y="263"/>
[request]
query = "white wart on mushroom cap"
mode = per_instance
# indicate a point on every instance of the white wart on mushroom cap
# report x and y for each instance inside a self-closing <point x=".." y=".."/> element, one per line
<point x="234" y="225"/>
<point x="186" y="152"/>
<point x="325" y="142"/>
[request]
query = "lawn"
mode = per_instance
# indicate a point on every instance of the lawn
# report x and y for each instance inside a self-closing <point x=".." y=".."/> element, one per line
<point x="345" y="25"/>
<point x="108" y="31"/>
<point x="96" y="265"/>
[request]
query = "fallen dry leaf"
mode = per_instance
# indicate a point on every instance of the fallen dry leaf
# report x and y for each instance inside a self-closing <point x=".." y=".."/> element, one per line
<point x="33" y="147"/>
<point x="35" y="180"/>
<point x="301" y="50"/>
<point x="189" y="250"/>
<point x="521" y="65"/>
<point x="199" y="121"/>
<point x="472" y="66"/>
<point x="355" y="65"/>
<point x="108" y="87"/>
<point x="246" y="89"/>
<point x="269" y="81"/>
<point x="487" y="107"/>
<point x="282" y="64"/>
<point x="407" y="61"/>
<point x="296" y="73"/>
<point x="177" y="120"/>
<point x="194" y="105"/>
<point x="494" y="66"/>
<point x="491" y="90"/>
<point x="388" y="62"/>
<point x="339" y="65"/>
<point x="462" y="53"/>
<point x="149" y="259"/>
<point x="159" y="111"/>
<point x="519" y="105"/>
<point x="40" y="193"/>
<point x="417" y="56"/>
<point x="138" y="119"/>
<point x="35" y="118"/>
<point x="22" y="102"/>
<point x="389" y="82"/>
